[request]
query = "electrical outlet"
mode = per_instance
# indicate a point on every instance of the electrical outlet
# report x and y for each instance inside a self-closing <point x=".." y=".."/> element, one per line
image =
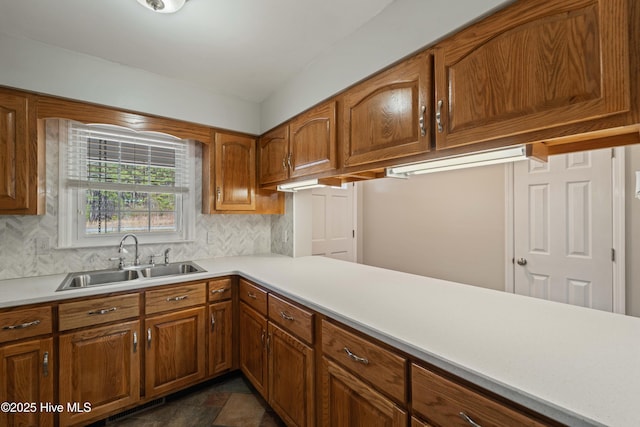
<point x="42" y="246"/>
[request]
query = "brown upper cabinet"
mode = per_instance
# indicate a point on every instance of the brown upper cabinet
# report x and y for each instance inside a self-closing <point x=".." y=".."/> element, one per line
<point x="305" y="146"/>
<point x="535" y="65"/>
<point x="229" y="178"/>
<point x="388" y="115"/>
<point x="21" y="156"/>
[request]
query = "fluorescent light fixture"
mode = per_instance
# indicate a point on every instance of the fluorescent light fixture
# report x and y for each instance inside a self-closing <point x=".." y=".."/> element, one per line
<point x="292" y="187"/>
<point x="482" y="158"/>
<point x="163" y="6"/>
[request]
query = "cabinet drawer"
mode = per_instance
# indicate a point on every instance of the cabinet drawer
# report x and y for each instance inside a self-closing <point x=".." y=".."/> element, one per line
<point x="29" y="322"/>
<point x="292" y="318"/>
<point x="175" y="297"/>
<point x="445" y="402"/>
<point x="78" y="314"/>
<point x="220" y="289"/>
<point x="254" y="296"/>
<point x="382" y="368"/>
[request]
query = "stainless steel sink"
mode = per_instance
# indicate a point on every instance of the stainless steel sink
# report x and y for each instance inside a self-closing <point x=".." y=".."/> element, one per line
<point x="87" y="279"/>
<point x="176" y="268"/>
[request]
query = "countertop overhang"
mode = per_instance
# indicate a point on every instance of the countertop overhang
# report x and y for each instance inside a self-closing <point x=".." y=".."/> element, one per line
<point x="576" y="365"/>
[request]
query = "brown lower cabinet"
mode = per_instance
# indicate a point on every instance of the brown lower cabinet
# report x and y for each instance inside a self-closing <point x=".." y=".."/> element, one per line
<point x="220" y="337"/>
<point x="175" y="354"/>
<point x="27" y="375"/>
<point x="99" y="366"/>
<point x="348" y="401"/>
<point x="253" y="348"/>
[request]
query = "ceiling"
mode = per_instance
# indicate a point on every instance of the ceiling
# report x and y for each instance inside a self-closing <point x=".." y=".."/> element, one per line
<point x="242" y="48"/>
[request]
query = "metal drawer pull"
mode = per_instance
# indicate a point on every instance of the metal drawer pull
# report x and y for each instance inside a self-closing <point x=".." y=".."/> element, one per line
<point x="102" y="311"/>
<point x="251" y="295"/>
<point x="355" y="358"/>
<point x="439" y="116"/>
<point x="213" y="322"/>
<point x="423" y="129"/>
<point x="21" y="326"/>
<point x="135" y="342"/>
<point x="45" y="364"/>
<point x="219" y="291"/>
<point x="149" y="337"/>
<point x="183" y="297"/>
<point x="468" y="419"/>
<point x="286" y="316"/>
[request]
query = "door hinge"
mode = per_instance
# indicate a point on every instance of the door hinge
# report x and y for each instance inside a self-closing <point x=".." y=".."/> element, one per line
<point x="613" y="255"/>
<point x="353" y="234"/>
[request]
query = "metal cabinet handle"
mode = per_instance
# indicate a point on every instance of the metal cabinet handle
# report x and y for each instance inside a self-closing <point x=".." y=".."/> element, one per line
<point x="268" y="343"/>
<point x="286" y="316"/>
<point x="251" y="295"/>
<point x="218" y="193"/>
<point x="284" y="163"/>
<point x="355" y="358"/>
<point x="439" y="116"/>
<point x="45" y="364"/>
<point x="149" y="337"/>
<point x="213" y="322"/>
<point x="262" y="337"/>
<point x="421" y="121"/>
<point x="21" y="326"/>
<point x="183" y="297"/>
<point x="102" y="311"/>
<point x="219" y="291"/>
<point x="135" y="342"/>
<point x="289" y="161"/>
<point x="468" y="419"/>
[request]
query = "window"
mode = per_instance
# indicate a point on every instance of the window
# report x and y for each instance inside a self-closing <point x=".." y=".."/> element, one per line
<point x="115" y="181"/>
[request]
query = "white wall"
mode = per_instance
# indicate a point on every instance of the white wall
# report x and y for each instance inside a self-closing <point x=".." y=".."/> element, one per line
<point x="632" y="158"/>
<point x="39" y="67"/>
<point x="448" y="225"/>
<point x="403" y="27"/>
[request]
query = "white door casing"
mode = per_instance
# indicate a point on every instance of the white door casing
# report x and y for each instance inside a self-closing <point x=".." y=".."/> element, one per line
<point x="563" y="229"/>
<point x="333" y="228"/>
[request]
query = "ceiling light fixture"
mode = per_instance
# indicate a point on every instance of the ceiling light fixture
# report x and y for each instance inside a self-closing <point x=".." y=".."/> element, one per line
<point x="482" y="158"/>
<point x="163" y="6"/>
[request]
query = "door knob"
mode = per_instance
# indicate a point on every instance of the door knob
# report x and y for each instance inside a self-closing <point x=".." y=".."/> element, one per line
<point x="522" y="261"/>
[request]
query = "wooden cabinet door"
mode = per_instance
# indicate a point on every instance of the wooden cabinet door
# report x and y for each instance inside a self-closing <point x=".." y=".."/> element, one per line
<point x="235" y="183"/>
<point x="253" y="349"/>
<point x="415" y="422"/>
<point x="27" y="372"/>
<point x="274" y="156"/>
<point x="313" y="141"/>
<point x="100" y="366"/>
<point x="291" y="378"/>
<point x="534" y="65"/>
<point x="19" y="156"/>
<point x="175" y="355"/>
<point x="387" y="116"/>
<point x="220" y="337"/>
<point x="347" y="401"/>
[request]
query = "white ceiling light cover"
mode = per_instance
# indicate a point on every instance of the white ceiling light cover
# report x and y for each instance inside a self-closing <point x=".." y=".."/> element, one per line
<point x="163" y="6"/>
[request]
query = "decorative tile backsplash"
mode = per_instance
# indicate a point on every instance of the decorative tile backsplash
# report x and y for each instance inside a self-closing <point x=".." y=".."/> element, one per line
<point x="21" y="237"/>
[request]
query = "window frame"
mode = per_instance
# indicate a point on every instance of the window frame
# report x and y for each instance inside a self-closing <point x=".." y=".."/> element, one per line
<point x="72" y="202"/>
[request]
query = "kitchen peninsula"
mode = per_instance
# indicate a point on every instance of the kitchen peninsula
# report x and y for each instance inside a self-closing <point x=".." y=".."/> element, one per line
<point x="573" y="365"/>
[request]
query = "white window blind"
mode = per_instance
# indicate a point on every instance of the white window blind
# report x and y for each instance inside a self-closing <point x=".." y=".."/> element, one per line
<point x="115" y="158"/>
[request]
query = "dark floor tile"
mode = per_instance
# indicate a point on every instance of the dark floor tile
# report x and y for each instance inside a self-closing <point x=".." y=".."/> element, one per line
<point x="217" y="398"/>
<point x="189" y="416"/>
<point x="270" y="419"/>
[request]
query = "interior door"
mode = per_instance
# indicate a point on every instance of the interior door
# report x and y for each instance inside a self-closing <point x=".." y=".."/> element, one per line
<point x="333" y="232"/>
<point x="563" y="230"/>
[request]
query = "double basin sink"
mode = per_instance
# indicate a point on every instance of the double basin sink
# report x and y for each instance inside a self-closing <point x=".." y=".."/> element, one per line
<point x="88" y="279"/>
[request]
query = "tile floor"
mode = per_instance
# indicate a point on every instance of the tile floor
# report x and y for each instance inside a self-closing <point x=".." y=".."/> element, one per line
<point x="227" y="402"/>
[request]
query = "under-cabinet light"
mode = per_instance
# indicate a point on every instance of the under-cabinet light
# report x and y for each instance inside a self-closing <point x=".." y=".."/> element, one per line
<point x="483" y="158"/>
<point x="292" y="187"/>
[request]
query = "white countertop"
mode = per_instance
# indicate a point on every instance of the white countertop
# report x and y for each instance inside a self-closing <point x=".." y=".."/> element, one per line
<point x="579" y="366"/>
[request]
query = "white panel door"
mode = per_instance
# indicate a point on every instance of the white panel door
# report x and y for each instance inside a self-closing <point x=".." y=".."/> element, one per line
<point x="332" y="229"/>
<point x="563" y="229"/>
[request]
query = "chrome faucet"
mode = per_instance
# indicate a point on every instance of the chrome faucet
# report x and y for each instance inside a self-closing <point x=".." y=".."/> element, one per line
<point x="121" y="249"/>
<point x="166" y="255"/>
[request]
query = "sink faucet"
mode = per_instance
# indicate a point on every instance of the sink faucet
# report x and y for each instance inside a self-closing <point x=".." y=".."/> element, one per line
<point x="166" y="255"/>
<point x="121" y="249"/>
